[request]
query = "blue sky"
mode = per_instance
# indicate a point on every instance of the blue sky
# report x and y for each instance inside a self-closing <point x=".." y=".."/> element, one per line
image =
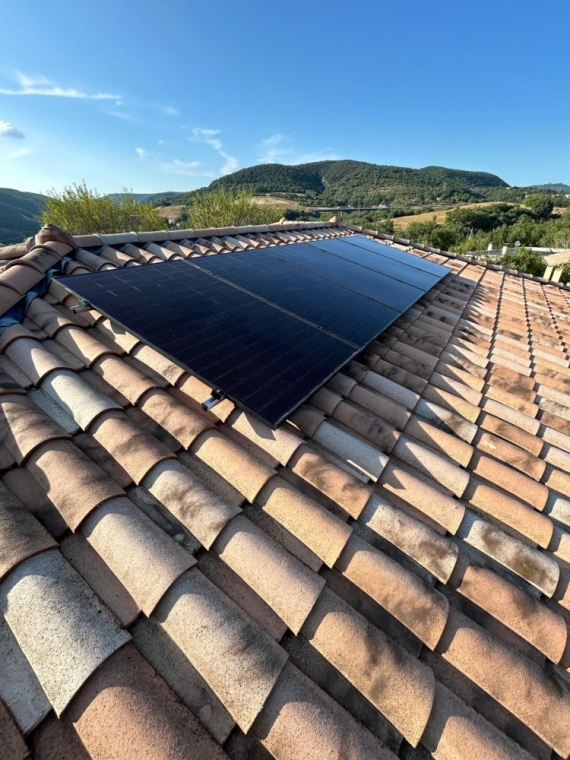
<point x="168" y="95"/>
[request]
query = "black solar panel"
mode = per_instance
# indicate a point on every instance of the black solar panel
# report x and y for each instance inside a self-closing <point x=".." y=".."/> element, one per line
<point x="393" y="253"/>
<point x="267" y="328"/>
<point x="346" y="314"/>
<point x="385" y="290"/>
<point x="265" y="360"/>
<point x="395" y="269"/>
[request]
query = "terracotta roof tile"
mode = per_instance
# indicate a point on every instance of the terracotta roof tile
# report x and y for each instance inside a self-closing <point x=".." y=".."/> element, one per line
<point x="60" y="625"/>
<point x="24" y="427"/>
<point x="169" y="661"/>
<point x="84" y="345"/>
<point x="136" y="451"/>
<point x="33" y="359"/>
<point x="21" y="535"/>
<point x="428" y="499"/>
<point x="299" y="720"/>
<point x="516" y="483"/>
<point x="284" y="583"/>
<point x="139" y="553"/>
<point x="518" y="610"/>
<point x="19" y="687"/>
<point x="517" y="683"/>
<point x="12" y="742"/>
<point x="127" y="711"/>
<point x="325" y="534"/>
<point x="346" y="491"/>
<point x="415" y="604"/>
<point x="73" y="483"/>
<point x="237" y="659"/>
<point x="538" y="568"/>
<point x="158" y="363"/>
<point x="355" y="452"/>
<point x="416" y="540"/>
<point x="92" y="568"/>
<point x="455" y="730"/>
<point x="246" y="474"/>
<point x="79" y="399"/>
<point x="280" y="444"/>
<point x="243" y="595"/>
<point x="199" y="508"/>
<point x="183" y="424"/>
<point x="395" y="683"/>
<point x="56" y="739"/>
<point x="29" y="493"/>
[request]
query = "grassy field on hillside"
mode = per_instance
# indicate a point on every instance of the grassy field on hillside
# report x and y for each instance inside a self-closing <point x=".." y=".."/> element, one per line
<point x="403" y="221"/>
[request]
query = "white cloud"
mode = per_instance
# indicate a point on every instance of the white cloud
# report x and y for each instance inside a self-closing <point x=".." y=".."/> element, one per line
<point x="202" y="134"/>
<point x="169" y="110"/>
<point x="20" y="153"/>
<point x="40" y="85"/>
<point x="278" y="149"/>
<point x="231" y="164"/>
<point x="7" y="130"/>
<point x="172" y="166"/>
<point x="185" y="168"/>
<point x="121" y="115"/>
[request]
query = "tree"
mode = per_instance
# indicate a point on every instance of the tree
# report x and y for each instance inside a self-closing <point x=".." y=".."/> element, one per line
<point x="81" y="211"/>
<point x="542" y="205"/>
<point x="225" y="207"/>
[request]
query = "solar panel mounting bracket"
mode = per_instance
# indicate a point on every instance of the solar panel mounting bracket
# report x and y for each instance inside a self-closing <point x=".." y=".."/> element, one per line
<point x="216" y="396"/>
<point x="81" y="307"/>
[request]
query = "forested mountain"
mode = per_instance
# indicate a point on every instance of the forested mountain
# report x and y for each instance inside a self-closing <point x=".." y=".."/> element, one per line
<point x="19" y="215"/>
<point x="557" y="187"/>
<point x="352" y="182"/>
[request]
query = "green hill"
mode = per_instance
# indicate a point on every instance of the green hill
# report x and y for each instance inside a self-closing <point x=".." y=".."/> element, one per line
<point x="19" y="215"/>
<point x="153" y="198"/>
<point x="556" y="187"/>
<point x="350" y="182"/>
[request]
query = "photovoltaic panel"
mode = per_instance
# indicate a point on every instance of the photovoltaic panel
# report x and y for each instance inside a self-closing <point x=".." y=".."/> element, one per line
<point x="395" y="254"/>
<point x="342" y="312"/>
<point x="266" y="328"/>
<point x="388" y="267"/>
<point x="265" y="360"/>
<point x="397" y="295"/>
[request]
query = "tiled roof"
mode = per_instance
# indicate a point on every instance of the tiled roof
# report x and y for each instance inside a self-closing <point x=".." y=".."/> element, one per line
<point x="387" y="574"/>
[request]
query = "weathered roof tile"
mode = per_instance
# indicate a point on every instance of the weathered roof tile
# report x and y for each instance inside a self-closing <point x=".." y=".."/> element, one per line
<point x="237" y="659"/>
<point x="62" y="628"/>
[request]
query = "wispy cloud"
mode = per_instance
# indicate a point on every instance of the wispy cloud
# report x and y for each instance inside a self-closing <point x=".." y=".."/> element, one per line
<point x="7" y="130"/>
<point x="120" y="115"/>
<point x="172" y="166"/>
<point x="185" y="168"/>
<point x="169" y="110"/>
<point x="41" y="85"/>
<point x="20" y="153"/>
<point x="208" y="136"/>
<point x="278" y="149"/>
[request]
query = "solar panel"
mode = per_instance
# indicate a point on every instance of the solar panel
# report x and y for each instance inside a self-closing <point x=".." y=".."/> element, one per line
<point x="265" y="328"/>
<point x="264" y="359"/>
<point x="343" y="313"/>
<point x="385" y="290"/>
<point x="395" y="269"/>
<point x="393" y="253"/>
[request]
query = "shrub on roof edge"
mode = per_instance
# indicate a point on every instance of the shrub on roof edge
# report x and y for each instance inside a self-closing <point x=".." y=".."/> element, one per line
<point x="81" y="211"/>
